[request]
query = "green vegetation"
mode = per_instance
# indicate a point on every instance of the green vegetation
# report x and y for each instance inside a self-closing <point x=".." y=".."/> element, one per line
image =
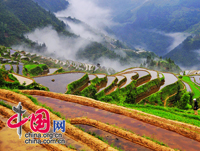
<point x="53" y="5"/>
<point x="107" y="89"/>
<point x="129" y="93"/>
<point x="72" y="87"/>
<point x="16" y="84"/>
<point x="72" y="147"/>
<point x="163" y="94"/>
<point x="195" y="88"/>
<point x="99" y="137"/>
<point x="11" y="77"/>
<point x="34" y="70"/>
<point x="5" y="105"/>
<point x="15" y="22"/>
<point x="185" y="116"/>
<point x="166" y="65"/>
<point x="186" y="51"/>
<point x="156" y="141"/>
<point x="91" y="90"/>
<point x="60" y="70"/>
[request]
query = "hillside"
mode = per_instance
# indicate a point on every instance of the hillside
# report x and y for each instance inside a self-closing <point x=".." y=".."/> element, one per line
<point x="18" y="17"/>
<point x="53" y="5"/>
<point x="128" y="99"/>
<point x="147" y="25"/>
<point x="187" y="54"/>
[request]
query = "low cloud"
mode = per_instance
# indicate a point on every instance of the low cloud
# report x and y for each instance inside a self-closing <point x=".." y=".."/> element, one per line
<point x="121" y="53"/>
<point x="178" y="38"/>
<point x="89" y="12"/>
<point x="84" y="31"/>
<point x="60" y="46"/>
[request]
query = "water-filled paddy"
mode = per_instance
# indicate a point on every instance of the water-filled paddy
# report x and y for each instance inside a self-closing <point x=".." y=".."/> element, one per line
<point x="110" y="79"/>
<point x="160" y="75"/>
<point x="101" y="75"/>
<point x="119" y="78"/>
<point x="169" y="79"/>
<point x="187" y="87"/>
<point x="142" y="73"/>
<point x="154" y="74"/>
<point x="61" y="81"/>
<point x="72" y="110"/>
<point x="7" y="66"/>
<point x="129" y="78"/>
<point x="15" y="68"/>
<point x="20" y="69"/>
<point x="52" y="70"/>
<point x="113" y="139"/>
<point x="197" y="79"/>
<point x="91" y="77"/>
<point x="12" y="52"/>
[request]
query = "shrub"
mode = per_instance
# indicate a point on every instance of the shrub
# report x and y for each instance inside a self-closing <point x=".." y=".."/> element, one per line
<point x="106" y="98"/>
<point x="71" y="88"/>
<point x="180" y="77"/>
<point x="11" y="77"/>
<point x="183" y="103"/>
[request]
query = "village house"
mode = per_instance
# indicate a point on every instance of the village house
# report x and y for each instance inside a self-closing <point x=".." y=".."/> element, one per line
<point x="25" y="58"/>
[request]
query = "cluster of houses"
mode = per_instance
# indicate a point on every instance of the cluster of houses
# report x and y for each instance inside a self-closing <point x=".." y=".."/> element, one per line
<point x="19" y="56"/>
<point x="16" y="55"/>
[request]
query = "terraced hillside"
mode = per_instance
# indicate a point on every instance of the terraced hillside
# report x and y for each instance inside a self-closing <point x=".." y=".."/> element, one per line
<point x="114" y="117"/>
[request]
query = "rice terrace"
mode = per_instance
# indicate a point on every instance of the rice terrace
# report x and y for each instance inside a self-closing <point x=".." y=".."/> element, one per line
<point x="99" y="75"/>
<point x="134" y="109"/>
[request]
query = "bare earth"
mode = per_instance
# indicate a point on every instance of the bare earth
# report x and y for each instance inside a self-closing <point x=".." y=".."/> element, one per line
<point x="22" y="79"/>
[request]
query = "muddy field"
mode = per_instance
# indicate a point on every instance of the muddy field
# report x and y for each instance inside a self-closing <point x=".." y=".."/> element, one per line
<point x="72" y="110"/>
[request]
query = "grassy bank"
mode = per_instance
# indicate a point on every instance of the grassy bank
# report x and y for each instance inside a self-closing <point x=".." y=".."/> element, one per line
<point x="185" y="116"/>
<point x="195" y="88"/>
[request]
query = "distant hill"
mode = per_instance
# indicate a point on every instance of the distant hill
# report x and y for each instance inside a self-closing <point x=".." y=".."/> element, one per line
<point x="18" y="17"/>
<point x="187" y="54"/>
<point x="106" y="47"/>
<point x="53" y="5"/>
<point x="147" y="24"/>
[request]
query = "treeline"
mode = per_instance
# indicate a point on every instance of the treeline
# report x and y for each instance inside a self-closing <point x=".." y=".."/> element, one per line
<point x="165" y="65"/>
<point x="53" y="5"/>
<point x="21" y="16"/>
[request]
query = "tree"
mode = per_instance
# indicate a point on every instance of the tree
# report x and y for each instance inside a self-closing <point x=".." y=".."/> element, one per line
<point x="148" y="59"/>
<point x="130" y="98"/>
<point x="183" y="103"/>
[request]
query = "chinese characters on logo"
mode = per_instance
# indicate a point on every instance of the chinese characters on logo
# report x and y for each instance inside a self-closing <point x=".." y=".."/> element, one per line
<point x="37" y="123"/>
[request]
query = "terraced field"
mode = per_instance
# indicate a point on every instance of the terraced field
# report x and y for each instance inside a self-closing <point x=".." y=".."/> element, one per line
<point x="73" y="110"/>
<point x="196" y="79"/>
<point x="128" y="77"/>
<point x="8" y="67"/>
<point x="125" y="128"/>
<point x="52" y="70"/>
<point x="110" y="79"/>
<point x="188" y="87"/>
<point x="169" y="79"/>
<point x="60" y="81"/>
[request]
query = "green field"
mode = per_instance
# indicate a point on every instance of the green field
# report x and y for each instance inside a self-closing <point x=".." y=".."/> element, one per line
<point x="185" y="116"/>
<point x="195" y="88"/>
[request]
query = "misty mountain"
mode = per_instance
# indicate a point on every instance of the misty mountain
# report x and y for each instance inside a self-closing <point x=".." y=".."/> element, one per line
<point x="53" y="5"/>
<point x="187" y="54"/>
<point x="154" y="26"/>
<point x="103" y="46"/>
<point x="21" y="16"/>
